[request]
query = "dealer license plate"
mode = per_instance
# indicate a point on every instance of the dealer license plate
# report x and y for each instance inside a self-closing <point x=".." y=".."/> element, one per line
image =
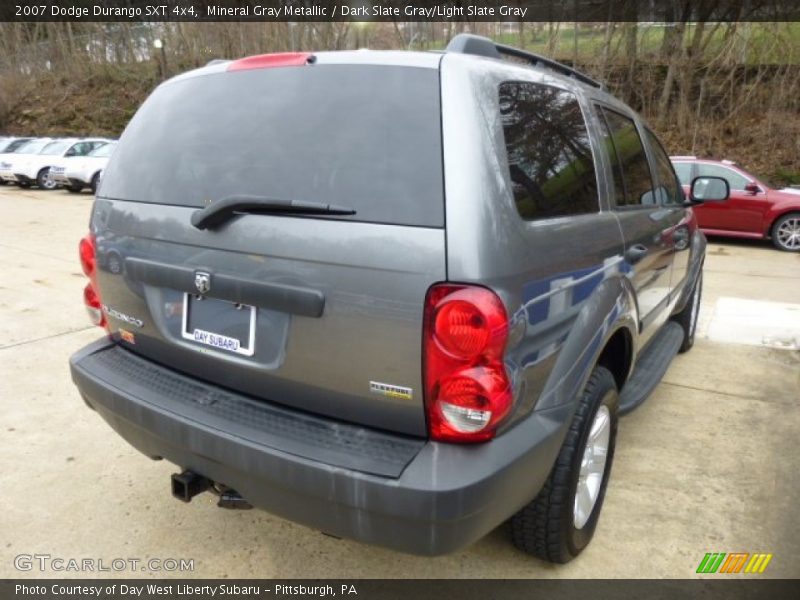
<point x="220" y="324"/>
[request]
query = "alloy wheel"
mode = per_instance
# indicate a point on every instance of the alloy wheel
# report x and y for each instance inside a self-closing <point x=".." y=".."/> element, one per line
<point x="593" y="467"/>
<point x="788" y="234"/>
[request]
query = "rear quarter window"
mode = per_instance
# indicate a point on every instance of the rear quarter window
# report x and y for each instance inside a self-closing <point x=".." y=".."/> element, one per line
<point x="549" y="151"/>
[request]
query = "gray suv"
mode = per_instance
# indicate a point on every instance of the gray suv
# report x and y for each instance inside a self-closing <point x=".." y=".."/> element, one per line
<point x="398" y="297"/>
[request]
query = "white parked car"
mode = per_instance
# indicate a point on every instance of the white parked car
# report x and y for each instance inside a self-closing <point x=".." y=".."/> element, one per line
<point x="77" y="172"/>
<point x="33" y="169"/>
<point x="7" y="158"/>
<point x="11" y="145"/>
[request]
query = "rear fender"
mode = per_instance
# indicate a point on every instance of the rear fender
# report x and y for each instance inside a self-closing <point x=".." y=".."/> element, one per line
<point x="612" y="306"/>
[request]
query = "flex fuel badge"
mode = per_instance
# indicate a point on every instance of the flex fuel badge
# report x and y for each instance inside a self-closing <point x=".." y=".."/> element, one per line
<point x="387" y="389"/>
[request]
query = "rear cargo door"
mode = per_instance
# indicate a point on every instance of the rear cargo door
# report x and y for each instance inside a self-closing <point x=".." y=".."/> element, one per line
<point x="280" y="297"/>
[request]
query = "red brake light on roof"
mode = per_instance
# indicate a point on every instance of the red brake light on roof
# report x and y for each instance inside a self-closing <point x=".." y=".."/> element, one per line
<point x="265" y="61"/>
<point x="91" y="296"/>
<point x="467" y="389"/>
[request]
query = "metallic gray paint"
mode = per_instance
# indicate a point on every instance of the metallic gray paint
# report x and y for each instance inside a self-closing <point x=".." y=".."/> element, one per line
<point x="565" y="284"/>
<point x="373" y="278"/>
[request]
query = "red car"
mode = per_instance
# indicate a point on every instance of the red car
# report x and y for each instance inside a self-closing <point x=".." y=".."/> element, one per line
<point x="754" y="209"/>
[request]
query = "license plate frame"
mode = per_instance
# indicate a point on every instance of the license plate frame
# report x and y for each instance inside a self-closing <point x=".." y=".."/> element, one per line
<point x="215" y="340"/>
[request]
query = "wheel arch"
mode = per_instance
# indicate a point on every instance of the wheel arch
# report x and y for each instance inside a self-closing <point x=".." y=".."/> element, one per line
<point x="775" y="214"/>
<point x="608" y="323"/>
<point x="617" y="355"/>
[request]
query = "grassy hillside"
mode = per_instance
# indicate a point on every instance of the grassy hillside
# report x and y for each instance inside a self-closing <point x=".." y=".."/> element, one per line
<point x="102" y="101"/>
<point x="54" y="104"/>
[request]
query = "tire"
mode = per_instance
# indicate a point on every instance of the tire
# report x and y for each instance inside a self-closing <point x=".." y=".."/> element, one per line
<point x="43" y="181"/>
<point x="786" y="233"/>
<point x="687" y="318"/>
<point x="74" y="188"/>
<point x="551" y="527"/>
<point x="94" y="182"/>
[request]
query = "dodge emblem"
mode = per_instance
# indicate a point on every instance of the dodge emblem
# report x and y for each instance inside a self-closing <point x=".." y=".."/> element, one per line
<point x="202" y="281"/>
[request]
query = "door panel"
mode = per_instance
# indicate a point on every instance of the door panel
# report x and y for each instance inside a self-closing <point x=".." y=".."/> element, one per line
<point x="651" y="230"/>
<point x="671" y="197"/>
<point x="646" y="226"/>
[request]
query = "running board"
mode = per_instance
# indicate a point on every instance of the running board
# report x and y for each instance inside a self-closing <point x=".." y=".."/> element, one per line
<point x="650" y="367"/>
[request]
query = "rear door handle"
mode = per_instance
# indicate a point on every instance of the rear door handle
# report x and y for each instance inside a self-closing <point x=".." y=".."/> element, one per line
<point x="635" y="253"/>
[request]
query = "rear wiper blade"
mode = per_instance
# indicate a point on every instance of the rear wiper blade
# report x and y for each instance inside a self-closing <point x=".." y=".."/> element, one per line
<point x="220" y="211"/>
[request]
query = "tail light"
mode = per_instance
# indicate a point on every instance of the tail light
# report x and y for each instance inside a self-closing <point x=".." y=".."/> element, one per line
<point x="91" y="296"/>
<point x="467" y="389"/>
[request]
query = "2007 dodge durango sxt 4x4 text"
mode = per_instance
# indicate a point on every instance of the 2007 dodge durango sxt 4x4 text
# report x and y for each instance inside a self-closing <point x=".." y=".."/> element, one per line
<point x="398" y="297"/>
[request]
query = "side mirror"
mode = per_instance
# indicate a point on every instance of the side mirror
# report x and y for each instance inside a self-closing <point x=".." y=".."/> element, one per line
<point x="709" y="189"/>
<point x="752" y="188"/>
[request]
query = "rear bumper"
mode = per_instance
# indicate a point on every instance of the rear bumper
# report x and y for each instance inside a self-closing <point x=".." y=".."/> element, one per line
<point x="400" y="492"/>
<point x="60" y="178"/>
<point x="77" y="177"/>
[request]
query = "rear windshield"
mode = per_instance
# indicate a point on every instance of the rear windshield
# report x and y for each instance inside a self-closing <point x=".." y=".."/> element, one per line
<point x="365" y="137"/>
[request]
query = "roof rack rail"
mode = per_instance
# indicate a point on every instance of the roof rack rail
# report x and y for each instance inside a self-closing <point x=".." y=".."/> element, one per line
<point x="467" y="43"/>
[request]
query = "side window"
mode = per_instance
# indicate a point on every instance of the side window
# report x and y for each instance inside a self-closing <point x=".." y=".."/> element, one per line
<point x="684" y="172"/>
<point x="669" y="190"/>
<point x="630" y="153"/>
<point x="736" y="181"/>
<point x="549" y="152"/>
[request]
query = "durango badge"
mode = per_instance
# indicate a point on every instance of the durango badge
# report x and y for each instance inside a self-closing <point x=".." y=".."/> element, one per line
<point x="202" y="281"/>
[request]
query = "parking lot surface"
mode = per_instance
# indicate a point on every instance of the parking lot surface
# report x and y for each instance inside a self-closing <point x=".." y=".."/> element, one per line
<point x="708" y="464"/>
